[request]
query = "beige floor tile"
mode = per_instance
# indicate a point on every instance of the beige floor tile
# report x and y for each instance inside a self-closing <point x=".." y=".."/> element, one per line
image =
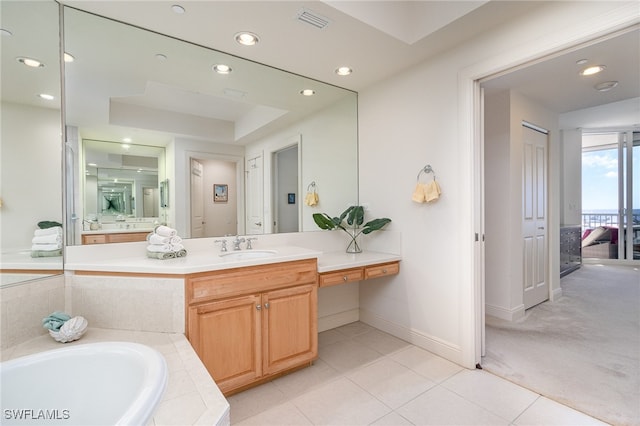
<point x="301" y="381"/>
<point x="381" y="341"/>
<point x="347" y="355"/>
<point x="329" y="337"/>
<point x="545" y="412"/>
<point x="392" y="419"/>
<point x="429" y="365"/>
<point x="285" y="414"/>
<point x="440" y="406"/>
<point x="254" y="401"/>
<point x="354" y="329"/>
<point x="340" y="402"/>
<point x="499" y="396"/>
<point x="390" y="382"/>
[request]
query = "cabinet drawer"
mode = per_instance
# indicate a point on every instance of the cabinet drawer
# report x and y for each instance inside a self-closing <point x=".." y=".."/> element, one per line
<point x="249" y="279"/>
<point x="376" y="271"/>
<point x="94" y="239"/>
<point x="341" y="277"/>
<point x="127" y="237"/>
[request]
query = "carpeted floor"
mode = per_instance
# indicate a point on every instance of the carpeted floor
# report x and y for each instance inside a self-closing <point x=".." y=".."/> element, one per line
<point x="582" y="350"/>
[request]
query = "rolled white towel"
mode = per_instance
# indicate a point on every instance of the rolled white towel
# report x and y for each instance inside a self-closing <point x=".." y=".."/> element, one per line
<point x="165" y="231"/>
<point x="46" y="247"/>
<point x="177" y="247"/>
<point x="47" y="239"/>
<point x="54" y="230"/>
<point x="159" y="239"/>
<point x="159" y="248"/>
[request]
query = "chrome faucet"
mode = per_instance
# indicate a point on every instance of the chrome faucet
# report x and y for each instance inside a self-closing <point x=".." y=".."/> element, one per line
<point x="223" y="244"/>
<point x="249" y="242"/>
<point x="237" y="241"/>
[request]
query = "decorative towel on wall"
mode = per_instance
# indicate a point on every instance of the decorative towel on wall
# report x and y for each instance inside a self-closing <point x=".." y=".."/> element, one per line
<point x="426" y="192"/>
<point x="311" y="199"/>
<point x="432" y="191"/>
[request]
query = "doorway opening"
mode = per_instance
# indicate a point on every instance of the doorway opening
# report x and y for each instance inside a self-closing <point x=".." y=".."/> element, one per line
<point x="286" y="182"/>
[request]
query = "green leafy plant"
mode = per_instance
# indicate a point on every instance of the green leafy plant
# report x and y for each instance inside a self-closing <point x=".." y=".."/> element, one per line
<point x="350" y="221"/>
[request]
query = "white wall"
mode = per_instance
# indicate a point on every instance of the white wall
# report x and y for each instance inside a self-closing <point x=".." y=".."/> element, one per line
<point x="220" y="218"/>
<point x="424" y="115"/>
<point x="31" y="167"/>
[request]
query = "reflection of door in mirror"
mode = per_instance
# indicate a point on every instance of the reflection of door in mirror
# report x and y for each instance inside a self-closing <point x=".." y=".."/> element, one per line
<point x="255" y="195"/>
<point x="285" y="191"/>
<point x="214" y="214"/>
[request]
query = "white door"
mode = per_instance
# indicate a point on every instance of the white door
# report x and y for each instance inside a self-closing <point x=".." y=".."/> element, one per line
<point x="534" y="212"/>
<point x="197" y="200"/>
<point x="255" y="196"/>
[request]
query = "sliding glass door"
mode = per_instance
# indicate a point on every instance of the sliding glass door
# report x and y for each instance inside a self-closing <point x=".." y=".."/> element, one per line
<point x="610" y="200"/>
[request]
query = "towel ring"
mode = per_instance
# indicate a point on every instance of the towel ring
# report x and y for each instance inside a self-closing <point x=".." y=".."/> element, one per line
<point x="426" y="169"/>
<point x="312" y="186"/>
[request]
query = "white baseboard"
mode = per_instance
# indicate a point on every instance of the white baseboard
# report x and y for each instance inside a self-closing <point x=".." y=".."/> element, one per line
<point x="337" y="320"/>
<point x="513" y="314"/>
<point x="415" y="337"/>
<point x="555" y="294"/>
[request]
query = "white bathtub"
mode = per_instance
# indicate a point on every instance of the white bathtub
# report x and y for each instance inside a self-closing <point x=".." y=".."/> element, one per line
<point x="108" y="383"/>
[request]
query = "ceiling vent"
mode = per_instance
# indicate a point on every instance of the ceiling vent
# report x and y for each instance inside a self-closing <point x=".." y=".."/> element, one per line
<point x="312" y="18"/>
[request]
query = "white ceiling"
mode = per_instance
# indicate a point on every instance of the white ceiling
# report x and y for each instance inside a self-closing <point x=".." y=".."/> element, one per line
<point x="379" y="39"/>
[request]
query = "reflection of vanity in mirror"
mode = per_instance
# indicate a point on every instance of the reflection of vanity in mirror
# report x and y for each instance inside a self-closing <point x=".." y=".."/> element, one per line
<point x="31" y="160"/>
<point x="121" y="191"/>
<point x="250" y="131"/>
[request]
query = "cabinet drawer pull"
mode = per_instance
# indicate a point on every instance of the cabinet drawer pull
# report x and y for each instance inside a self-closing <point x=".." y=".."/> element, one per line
<point x="384" y="271"/>
<point x="258" y="307"/>
<point x="345" y="278"/>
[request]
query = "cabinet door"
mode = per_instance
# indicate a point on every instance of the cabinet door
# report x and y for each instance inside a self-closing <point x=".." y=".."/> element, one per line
<point x="226" y="337"/>
<point x="289" y="327"/>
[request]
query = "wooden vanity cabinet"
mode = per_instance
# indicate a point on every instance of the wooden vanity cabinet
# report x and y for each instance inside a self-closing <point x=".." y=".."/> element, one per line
<point x="123" y="237"/>
<point x="344" y="276"/>
<point x="250" y="324"/>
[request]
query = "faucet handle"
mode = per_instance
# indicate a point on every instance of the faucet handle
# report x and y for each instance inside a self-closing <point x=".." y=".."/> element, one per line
<point x="223" y="244"/>
<point x="249" y="239"/>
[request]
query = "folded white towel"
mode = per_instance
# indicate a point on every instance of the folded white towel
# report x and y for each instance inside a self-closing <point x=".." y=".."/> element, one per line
<point x="159" y="248"/>
<point x="47" y="239"/>
<point x="54" y="230"/>
<point x="165" y="231"/>
<point x="46" y="247"/>
<point x="177" y="247"/>
<point x="159" y="239"/>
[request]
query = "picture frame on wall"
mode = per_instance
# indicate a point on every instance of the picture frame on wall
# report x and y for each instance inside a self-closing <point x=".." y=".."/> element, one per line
<point x="291" y="198"/>
<point x="220" y="193"/>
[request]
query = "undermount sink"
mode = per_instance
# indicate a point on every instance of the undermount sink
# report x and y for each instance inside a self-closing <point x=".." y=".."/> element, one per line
<point x="248" y="254"/>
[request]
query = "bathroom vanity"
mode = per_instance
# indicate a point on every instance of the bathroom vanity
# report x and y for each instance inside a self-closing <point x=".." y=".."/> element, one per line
<point x="250" y="316"/>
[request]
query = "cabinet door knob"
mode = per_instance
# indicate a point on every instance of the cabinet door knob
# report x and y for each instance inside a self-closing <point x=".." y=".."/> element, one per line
<point x="384" y="271"/>
<point x="258" y="307"/>
<point x="266" y="305"/>
<point x="344" y="278"/>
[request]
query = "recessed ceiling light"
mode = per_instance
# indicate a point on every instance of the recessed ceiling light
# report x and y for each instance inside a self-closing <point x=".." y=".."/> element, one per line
<point x="308" y="92"/>
<point x="5" y="32"/>
<point x="582" y="61"/>
<point x="246" y="38"/>
<point x="127" y="140"/>
<point x="344" y="71"/>
<point x="125" y="146"/>
<point x="30" y="62"/>
<point x="46" y="96"/>
<point x="592" y="70"/>
<point x="92" y="164"/>
<point x="605" y="86"/>
<point x="177" y="9"/>
<point x="68" y="57"/>
<point x="222" y="68"/>
<point x="161" y="57"/>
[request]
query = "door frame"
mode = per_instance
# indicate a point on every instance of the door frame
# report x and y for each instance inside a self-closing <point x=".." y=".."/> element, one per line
<point x="471" y="145"/>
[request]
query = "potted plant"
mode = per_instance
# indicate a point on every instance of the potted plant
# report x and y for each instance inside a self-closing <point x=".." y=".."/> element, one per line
<point x="350" y="221"/>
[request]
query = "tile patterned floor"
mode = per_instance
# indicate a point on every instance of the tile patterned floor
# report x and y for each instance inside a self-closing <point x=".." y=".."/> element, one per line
<point x="366" y="377"/>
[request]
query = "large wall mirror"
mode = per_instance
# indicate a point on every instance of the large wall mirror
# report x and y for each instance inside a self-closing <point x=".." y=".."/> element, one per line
<point x="238" y="150"/>
<point x="31" y="142"/>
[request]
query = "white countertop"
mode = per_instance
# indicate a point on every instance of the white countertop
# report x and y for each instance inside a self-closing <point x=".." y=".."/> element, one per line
<point x="22" y="260"/>
<point x="191" y="397"/>
<point x="202" y="261"/>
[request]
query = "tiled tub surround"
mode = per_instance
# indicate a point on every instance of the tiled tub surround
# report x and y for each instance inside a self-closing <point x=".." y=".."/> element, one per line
<point x="191" y="397"/>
